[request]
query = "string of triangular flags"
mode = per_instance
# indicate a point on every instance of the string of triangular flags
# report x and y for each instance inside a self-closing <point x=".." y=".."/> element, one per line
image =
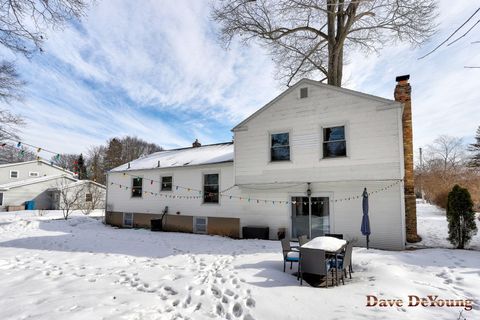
<point x="198" y="194"/>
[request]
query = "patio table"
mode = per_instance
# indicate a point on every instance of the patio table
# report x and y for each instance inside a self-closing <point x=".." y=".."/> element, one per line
<point x="330" y="245"/>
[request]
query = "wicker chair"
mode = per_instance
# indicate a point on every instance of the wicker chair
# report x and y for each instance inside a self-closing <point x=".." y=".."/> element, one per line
<point x="314" y="261"/>
<point x="289" y="255"/>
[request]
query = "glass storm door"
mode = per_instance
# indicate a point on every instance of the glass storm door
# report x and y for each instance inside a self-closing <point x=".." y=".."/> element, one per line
<point x="310" y="217"/>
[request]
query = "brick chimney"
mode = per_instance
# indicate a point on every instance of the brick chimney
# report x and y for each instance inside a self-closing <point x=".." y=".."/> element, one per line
<point x="403" y="95"/>
<point x="196" y="144"/>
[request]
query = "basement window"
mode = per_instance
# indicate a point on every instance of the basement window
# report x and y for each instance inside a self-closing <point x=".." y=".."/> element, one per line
<point x="334" y="143"/>
<point x="303" y="93"/>
<point x="128" y="219"/>
<point x="200" y="224"/>
<point x="137" y="184"/>
<point x="167" y="183"/>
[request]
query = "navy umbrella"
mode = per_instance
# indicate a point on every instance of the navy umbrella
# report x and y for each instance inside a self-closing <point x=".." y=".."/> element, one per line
<point x="365" y="220"/>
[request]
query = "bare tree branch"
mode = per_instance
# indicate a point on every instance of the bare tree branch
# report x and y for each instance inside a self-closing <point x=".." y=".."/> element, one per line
<point x="311" y="37"/>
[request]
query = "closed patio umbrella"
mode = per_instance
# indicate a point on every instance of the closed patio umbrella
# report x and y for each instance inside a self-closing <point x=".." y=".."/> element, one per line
<point x="365" y="220"/>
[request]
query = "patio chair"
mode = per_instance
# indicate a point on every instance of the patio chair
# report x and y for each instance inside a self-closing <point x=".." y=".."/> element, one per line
<point x="344" y="262"/>
<point x="302" y="240"/>
<point x="289" y="255"/>
<point x="315" y="262"/>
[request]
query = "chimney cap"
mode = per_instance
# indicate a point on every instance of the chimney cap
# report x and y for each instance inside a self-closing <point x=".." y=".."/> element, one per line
<point x="402" y="78"/>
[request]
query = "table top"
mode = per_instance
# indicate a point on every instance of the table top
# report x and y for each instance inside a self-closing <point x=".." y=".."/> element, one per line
<point x="329" y="244"/>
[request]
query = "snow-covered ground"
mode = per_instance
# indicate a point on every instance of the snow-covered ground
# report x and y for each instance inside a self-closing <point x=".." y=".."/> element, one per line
<point x="82" y="269"/>
<point x="433" y="227"/>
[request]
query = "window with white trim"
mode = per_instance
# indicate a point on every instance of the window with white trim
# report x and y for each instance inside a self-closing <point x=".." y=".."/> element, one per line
<point x="1" y="198"/>
<point x="137" y="186"/>
<point x="33" y="174"/>
<point x="303" y="93"/>
<point x="13" y="174"/>
<point x="280" y="146"/>
<point x="334" y="142"/>
<point x="210" y="188"/>
<point x="128" y="219"/>
<point x="200" y="224"/>
<point x="167" y="183"/>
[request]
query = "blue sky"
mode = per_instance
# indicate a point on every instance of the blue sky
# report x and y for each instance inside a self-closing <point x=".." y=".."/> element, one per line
<point x="158" y="72"/>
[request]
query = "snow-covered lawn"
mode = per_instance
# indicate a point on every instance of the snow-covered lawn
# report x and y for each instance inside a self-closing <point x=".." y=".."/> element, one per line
<point x="82" y="269"/>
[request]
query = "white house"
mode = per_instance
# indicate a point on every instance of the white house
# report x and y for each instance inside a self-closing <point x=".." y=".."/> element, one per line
<point x="39" y="181"/>
<point x="299" y="164"/>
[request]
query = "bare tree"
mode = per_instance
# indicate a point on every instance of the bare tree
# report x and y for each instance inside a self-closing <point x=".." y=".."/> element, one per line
<point x="23" y="25"/>
<point x="10" y="154"/>
<point x="65" y="160"/>
<point x="94" y="198"/>
<point x="313" y="37"/>
<point x="70" y="196"/>
<point x="95" y="163"/>
<point x="446" y="152"/>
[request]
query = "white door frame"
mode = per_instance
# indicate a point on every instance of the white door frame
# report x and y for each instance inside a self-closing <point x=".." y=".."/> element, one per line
<point x="326" y="194"/>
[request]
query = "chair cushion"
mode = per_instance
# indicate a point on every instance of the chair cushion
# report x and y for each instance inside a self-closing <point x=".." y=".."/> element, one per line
<point x="293" y="256"/>
<point x="331" y="263"/>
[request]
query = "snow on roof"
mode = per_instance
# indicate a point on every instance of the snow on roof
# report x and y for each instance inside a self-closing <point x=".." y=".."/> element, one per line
<point x="25" y="182"/>
<point x="77" y="183"/>
<point x="36" y="161"/>
<point x="208" y="154"/>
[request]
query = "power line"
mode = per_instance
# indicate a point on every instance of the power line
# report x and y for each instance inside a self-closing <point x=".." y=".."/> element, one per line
<point x="463" y="35"/>
<point x="449" y="37"/>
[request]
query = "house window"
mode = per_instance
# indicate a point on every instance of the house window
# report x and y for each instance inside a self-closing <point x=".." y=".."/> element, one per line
<point x="33" y="174"/>
<point x="13" y="174"/>
<point x="334" y="143"/>
<point x="1" y="198"/>
<point x="128" y="219"/>
<point x="210" y="188"/>
<point x="280" y="147"/>
<point x="137" y="184"/>
<point x="167" y="183"/>
<point x="88" y="197"/>
<point x="200" y="224"/>
<point x="303" y="93"/>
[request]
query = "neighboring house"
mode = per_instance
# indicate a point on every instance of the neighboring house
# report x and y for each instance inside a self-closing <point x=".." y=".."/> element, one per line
<point x="32" y="181"/>
<point x="82" y="195"/>
<point x="298" y="164"/>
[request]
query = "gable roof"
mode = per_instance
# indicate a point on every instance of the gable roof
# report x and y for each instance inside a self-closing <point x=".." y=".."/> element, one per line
<point x="21" y="183"/>
<point x="192" y="156"/>
<point x="35" y="161"/>
<point x="321" y="85"/>
<point x="77" y="183"/>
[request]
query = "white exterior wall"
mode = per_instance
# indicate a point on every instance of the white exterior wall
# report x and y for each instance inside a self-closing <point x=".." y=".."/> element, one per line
<point x="25" y="168"/>
<point x="373" y="134"/>
<point x="36" y="191"/>
<point x="386" y="215"/>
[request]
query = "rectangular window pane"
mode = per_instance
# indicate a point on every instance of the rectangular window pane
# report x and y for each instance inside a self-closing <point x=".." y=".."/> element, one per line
<point x="335" y="149"/>
<point x="1" y="199"/>
<point x="88" y="197"/>
<point x="334" y="134"/>
<point x="210" y="188"/>
<point x="280" y="139"/>
<point x="167" y="183"/>
<point x="13" y="174"/>
<point x="200" y="225"/>
<point x="128" y="219"/>
<point x="280" y="148"/>
<point x="137" y="187"/>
